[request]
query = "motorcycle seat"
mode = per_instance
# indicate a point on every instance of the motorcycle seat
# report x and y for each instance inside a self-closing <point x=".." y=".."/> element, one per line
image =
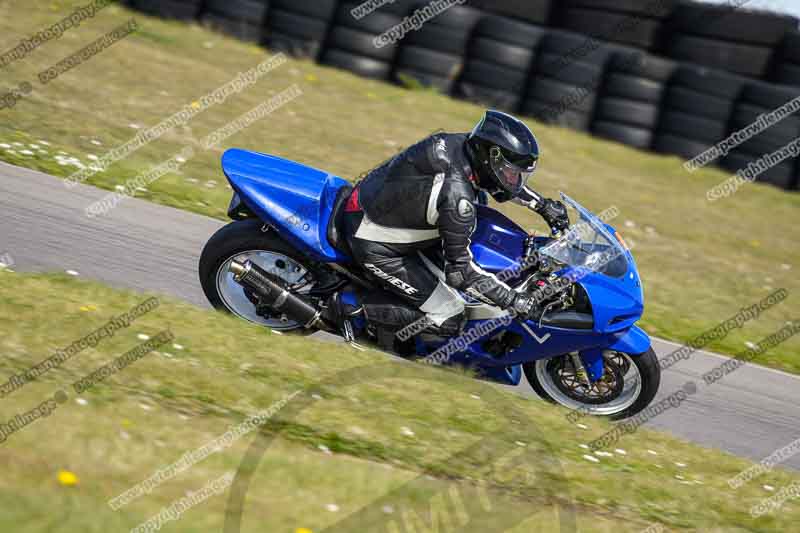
<point x="335" y="233"/>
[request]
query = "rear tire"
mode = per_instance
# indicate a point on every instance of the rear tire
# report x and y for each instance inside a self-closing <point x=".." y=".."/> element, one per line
<point x="234" y="239"/>
<point x="647" y="366"/>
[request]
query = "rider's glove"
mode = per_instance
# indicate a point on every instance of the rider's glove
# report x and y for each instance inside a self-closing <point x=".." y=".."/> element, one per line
<point x="554" y="213"/>
<point x="524" y="306"/>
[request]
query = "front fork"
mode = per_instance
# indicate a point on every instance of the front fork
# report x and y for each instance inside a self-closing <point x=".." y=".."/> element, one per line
<point x="590" y="365"/>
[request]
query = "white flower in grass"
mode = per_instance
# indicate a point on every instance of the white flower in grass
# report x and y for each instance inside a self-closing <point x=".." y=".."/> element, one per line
<point x="582" y="426"/>
<point x="604" y="454"/>
<point x="584" y="446"/>
<point x="332" y="507"/>
<point x="4" y="145"/>
<point x="387" y="509"/>
<point x="591" y="458"/>
<point x="81" y="401"/>
<point x="145" y="407"/>
<point x="45" y="143"/>
<point x="96" y="142"/>
<point x="325" y="449"/>
<point x="406" y="431"/>
<point x="73" y="272"/>
<point x="134" y="126"/>
<point x="680" y="465"/>
<point x="769" y="488"/>
<point x="177" y="346"/>
<point x="26" y="152"/>
<point x="651" y="452"/>
<point x="92" y="157"/>
<point x="143" y="337"/>
<point x="621" y="451"/>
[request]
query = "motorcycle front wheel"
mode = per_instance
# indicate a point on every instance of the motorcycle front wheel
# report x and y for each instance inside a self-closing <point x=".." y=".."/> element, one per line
<point x="628" y="385"/>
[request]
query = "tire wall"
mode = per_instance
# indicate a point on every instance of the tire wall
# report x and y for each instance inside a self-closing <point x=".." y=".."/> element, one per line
<point x="672" y="76"/>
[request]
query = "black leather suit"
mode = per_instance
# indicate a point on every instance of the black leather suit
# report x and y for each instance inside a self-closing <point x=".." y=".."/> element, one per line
<point x="417" y="205"/>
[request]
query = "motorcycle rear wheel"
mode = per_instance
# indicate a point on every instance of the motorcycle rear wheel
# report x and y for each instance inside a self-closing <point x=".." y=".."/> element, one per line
<point x="245" y="240"/>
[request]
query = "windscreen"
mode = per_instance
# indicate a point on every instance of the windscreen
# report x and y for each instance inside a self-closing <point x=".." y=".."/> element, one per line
<point x="587" y="244"/>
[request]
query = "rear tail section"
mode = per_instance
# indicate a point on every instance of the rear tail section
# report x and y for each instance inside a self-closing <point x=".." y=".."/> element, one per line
<point x="294" y="199"/>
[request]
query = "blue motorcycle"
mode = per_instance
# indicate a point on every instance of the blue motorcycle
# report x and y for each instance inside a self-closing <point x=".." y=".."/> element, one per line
<point x="283" y="257"/>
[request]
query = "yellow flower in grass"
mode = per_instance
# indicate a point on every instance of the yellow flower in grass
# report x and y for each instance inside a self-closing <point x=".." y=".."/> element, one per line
<point x="67" y="478"/>
<point x="88" y="308"/>
<point x="302" y="530"/>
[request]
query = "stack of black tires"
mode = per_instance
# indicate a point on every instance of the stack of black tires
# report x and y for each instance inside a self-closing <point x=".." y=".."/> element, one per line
<point x="500" y="57"/>
<point x="635" y="23"/>
<point x="630" y="102"/>
<point x="564" y="85"/>
<point x="696" y="110"/>
<point x="351" y="44"/>
<point x="599" y="76"/>
<point x="243" y="19"/>
<point x="433" y="55"/>
<point x="736" y="40"/>
<point x="787" y="61"/>
<point x="171" y="9"/>
<point x="537" y="12"/>
<point x="758" y="99"/>
<point x="299" y="27"/>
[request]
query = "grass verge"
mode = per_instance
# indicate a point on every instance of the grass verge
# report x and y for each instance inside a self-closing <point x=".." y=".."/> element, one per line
<point x="389" y="441"/>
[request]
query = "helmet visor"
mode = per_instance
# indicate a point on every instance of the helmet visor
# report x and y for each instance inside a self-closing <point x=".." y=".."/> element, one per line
<point x="512" y="177"/>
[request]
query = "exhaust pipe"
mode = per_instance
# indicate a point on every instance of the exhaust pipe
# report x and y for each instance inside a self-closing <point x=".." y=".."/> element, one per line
<point x="253" y="277"/>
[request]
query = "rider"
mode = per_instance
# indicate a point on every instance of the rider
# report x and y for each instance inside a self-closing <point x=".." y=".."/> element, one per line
<point x="421" y="203"/>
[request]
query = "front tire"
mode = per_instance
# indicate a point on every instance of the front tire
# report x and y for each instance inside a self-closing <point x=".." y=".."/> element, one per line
<point x="640" y="375"/>
<point x="245" y="240"/>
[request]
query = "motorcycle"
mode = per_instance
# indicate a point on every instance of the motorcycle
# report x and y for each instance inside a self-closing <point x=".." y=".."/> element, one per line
<point x="284" y="256"/>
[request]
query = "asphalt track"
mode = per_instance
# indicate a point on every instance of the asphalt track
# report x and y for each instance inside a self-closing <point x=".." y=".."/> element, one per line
<point x="144" y="246"/>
